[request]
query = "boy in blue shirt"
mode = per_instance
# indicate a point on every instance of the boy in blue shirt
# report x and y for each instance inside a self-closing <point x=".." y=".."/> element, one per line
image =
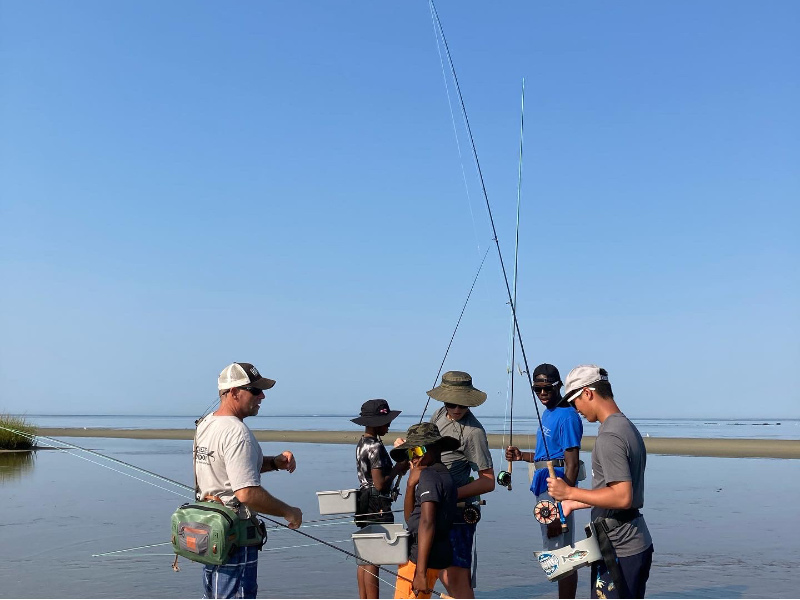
<point x="562" y="429"/>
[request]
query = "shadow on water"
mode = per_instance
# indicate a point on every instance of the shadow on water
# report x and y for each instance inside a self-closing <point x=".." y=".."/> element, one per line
<point x="14" y="465"/>
<point x="715" y="591"/>
<point x="536" y="590"/>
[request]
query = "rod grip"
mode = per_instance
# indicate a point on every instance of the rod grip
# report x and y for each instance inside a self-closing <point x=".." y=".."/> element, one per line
<point x="551" y="469"/>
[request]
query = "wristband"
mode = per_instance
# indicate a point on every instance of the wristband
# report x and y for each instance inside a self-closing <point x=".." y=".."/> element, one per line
<point x="274" y="465"/>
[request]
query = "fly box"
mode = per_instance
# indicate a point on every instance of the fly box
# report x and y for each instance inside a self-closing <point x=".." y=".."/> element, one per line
<point x="382" y="544"/>
<point x="337" y="502"/>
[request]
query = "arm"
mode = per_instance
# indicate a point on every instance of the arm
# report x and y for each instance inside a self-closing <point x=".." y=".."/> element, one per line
<point x="260" y="500"/>
<point x="427" y="528"/>
<point x="571" y="465"/>
<point x="408" y="501"/>
<point x="482" y="485"/>
<point x="616" y="495"/>
<point x="280" y="462"/>
<point x="514" y="453"/>
<point x="384" y="484"/>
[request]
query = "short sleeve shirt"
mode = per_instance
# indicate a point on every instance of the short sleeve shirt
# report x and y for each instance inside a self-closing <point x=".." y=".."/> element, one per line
<point x="371" y="454"/>
<point x="473" y="451"/>
<point x="227" y="458"/>
<point x="435" y="485"/>
<point x="619" y="455"/>
<point x="562" y="429"/>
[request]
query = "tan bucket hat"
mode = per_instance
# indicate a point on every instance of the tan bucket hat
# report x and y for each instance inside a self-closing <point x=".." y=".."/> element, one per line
<point x="457" y="388"/>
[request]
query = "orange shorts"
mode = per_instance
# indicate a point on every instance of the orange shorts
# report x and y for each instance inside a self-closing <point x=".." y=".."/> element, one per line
<point x="407" y="570"/>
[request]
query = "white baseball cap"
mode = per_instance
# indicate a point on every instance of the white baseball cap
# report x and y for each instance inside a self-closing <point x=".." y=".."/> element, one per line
<point x="240" y="375"/>
<point x="580" y="377"/>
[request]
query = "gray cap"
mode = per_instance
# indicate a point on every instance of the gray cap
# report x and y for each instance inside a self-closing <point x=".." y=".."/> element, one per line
<point x="580" y="377"/>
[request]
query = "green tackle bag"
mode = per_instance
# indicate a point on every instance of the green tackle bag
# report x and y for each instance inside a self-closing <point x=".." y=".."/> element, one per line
<point x="205" y="532"/>
<point x="209" y="532"/>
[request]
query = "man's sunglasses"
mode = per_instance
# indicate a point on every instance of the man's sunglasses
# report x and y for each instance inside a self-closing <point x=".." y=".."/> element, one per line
<point x="451" y="406"/>
<point x="544" y="388"/>
<point x="416" y="452"/>
<point x="253" y="390"/>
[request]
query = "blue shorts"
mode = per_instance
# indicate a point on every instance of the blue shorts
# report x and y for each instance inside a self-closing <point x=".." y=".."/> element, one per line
<point x="635" y="571"/>
<point x="238" y="578"/>
<point x="462" y="536"/>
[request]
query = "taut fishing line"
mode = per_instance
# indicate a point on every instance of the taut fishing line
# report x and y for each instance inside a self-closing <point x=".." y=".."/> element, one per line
<point x="452" y="337"/>
<point x="489" y="211"/>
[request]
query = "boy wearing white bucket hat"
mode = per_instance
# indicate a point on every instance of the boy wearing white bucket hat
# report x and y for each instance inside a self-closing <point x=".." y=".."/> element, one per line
<point x="618" y="464"/>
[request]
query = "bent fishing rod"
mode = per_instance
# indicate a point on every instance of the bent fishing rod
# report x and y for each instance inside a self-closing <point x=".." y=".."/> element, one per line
<point x="435" y="16"/>
<point x="192" y="490"/>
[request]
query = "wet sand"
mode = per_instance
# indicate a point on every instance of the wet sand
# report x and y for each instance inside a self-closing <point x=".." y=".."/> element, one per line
<point x="724" y="448"/>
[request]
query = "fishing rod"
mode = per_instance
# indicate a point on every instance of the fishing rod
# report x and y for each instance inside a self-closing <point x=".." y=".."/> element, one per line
<point x="435" y="15"/>
<point x="191" y="489"/>
<point x="504" y="477"/>
<point x="452" y="337"/>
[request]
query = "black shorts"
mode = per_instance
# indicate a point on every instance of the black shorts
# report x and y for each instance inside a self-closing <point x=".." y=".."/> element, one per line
<point x="635" y="571"/>
<point x="375" y="508"/>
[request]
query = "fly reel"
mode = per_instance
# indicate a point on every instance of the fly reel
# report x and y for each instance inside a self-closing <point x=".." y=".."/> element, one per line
<point x="472" y="515"/>
<point x="504" y="479"/>
<point x="545" y="512"/>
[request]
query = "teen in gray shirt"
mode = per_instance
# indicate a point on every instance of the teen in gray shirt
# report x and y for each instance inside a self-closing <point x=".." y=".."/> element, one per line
<point x="618" y="463"/>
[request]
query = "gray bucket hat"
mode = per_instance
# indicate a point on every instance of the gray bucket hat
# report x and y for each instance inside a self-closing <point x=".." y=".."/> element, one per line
<point x="456" y="388"/>
<point x="424" y="434"/>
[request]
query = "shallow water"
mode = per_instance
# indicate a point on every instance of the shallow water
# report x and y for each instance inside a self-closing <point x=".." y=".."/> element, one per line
<point x="718" y="531"/>
<point x="525" y="425"/>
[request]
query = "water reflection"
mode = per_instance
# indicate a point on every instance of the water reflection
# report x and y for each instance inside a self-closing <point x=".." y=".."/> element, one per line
<point x="13" y="465"/>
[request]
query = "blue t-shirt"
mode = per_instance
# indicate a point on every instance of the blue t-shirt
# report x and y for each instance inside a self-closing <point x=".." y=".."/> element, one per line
<point x="563" y="428"/>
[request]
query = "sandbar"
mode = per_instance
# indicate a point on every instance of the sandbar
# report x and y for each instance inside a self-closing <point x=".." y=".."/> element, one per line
<point x="717" y="447"/>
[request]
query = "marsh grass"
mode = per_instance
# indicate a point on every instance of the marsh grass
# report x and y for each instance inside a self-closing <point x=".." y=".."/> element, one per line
<point x="15" y="441"/>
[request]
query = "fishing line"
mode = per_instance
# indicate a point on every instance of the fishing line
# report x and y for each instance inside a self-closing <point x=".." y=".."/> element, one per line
<point x="452" y="337"/>
<point x="122" y="462"/>
<point x="455" y="132"/>
<point x="343" y="551"/>
<point x="491" y="217"/>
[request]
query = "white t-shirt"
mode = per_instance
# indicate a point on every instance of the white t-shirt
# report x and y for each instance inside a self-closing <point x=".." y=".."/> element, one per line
<point x="227" y="457"/>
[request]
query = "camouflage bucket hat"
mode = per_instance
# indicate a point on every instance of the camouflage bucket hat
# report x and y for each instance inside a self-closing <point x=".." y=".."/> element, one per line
<point x="456" y="388"/>
<point x="424" y="434"/>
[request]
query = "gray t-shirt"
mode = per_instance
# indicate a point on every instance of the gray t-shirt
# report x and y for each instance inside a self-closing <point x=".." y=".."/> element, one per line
<point x="227" y="457"/>
<point x="473" y="452"/>
<point x="619" y="455"/>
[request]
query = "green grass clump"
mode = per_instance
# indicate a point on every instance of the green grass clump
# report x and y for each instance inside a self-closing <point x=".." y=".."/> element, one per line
<point x="15" y="441"/>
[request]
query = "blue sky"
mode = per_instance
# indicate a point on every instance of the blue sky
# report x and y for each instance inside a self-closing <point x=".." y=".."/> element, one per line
<point x="186" y="184"/>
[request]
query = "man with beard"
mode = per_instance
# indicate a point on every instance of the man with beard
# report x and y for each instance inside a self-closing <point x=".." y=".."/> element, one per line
<point x="562" y="431"/>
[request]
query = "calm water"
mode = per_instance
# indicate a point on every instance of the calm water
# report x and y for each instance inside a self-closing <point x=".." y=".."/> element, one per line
<point x="719" y="531"/>
<point x="700" y="428"/>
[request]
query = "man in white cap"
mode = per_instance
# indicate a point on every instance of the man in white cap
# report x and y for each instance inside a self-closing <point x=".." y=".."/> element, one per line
<point x="618" y="463"/>
<point x="228" y="466"/>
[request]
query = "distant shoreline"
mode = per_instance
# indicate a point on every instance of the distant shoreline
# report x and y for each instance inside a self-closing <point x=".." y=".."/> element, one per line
<point x="718" y="447"/>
